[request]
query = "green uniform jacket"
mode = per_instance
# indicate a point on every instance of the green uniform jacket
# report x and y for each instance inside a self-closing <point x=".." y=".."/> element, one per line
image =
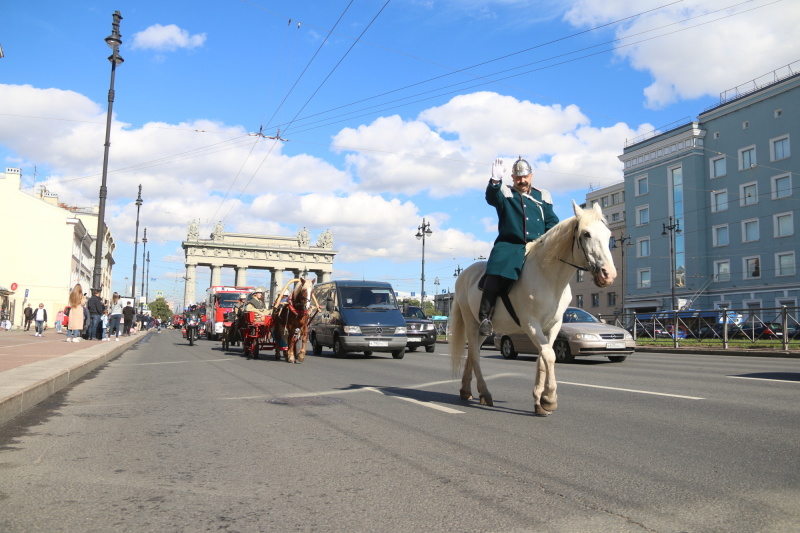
<point x="536" y="218"/>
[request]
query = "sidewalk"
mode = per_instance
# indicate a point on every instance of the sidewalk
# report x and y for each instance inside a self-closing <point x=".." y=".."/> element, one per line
<point x="32" y="368"/>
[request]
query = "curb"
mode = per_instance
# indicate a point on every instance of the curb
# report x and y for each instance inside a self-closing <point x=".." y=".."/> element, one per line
<point x="28" y="385"/>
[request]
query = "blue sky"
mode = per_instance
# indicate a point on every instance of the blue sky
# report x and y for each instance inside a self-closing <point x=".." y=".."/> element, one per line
<point x="392" y="112"/>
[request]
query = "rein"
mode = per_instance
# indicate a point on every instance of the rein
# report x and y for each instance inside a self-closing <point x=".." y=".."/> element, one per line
<point x="580" y="244"/>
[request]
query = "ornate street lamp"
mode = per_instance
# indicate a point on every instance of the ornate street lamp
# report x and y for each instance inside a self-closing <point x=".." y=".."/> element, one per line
<point x="144" y="247"/>
<point x="622" y="242"/>
<point x="136" y="243"/>
<point x="672" y="228"/>
<point x="424" y="230"/>
<point x="458" y="271"/>
<point x="113" y="41"/>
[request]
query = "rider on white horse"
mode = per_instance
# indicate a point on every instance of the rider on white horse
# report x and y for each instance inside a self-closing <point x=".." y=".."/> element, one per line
<point x="525" y="213"/>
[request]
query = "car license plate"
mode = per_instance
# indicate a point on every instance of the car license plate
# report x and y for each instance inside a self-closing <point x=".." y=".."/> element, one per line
<point x="615" y="345"/>
<point x="379" y="343"/>
<point x="414" y="339"/>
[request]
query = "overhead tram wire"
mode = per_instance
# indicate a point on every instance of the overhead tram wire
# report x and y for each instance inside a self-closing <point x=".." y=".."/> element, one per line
<point x="498" y="81"/>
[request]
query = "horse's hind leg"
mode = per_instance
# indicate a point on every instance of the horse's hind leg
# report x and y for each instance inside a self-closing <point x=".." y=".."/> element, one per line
<point x="473" y="363"/>
<point x="466" y="381"/>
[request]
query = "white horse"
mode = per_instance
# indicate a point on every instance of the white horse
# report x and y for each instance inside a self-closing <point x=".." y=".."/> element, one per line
<point x="539" y="298"/>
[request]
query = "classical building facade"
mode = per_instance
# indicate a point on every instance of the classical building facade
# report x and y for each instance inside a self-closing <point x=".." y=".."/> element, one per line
<point x="712" y="204"/>
<point x="242" y="252"/>
<point x="47" y="249"/>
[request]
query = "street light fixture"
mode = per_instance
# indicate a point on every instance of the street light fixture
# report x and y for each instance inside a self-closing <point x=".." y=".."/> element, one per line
<point x="424" y="230"/>
<point x="136" y="243"/>
<point x="458" y="271"/>
<point x="672" y="228"/>
<point x="113" y="41"/>
<point x="144" y="247"/>
<point x="147" y="284"/>
<point x="622" y="242"/>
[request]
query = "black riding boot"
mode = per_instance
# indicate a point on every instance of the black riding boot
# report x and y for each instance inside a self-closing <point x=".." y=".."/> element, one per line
<point x="491" y="286"/>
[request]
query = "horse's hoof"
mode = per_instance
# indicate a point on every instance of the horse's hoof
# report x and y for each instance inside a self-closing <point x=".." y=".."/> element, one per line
<point x="541" y="411"/>
<point x="466" y="396"/>
<point x="549" y="406"/>
<point x="487" y="400"/>
<point x="290" y="360"/>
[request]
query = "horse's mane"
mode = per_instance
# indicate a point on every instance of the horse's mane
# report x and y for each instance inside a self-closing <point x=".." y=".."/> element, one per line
<point x="561" y="236"/>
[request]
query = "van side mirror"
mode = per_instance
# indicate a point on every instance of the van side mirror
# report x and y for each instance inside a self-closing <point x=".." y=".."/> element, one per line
<point x="329" y="304"/>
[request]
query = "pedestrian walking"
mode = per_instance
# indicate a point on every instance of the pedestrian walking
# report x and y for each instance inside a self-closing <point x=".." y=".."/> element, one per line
<point x="104" y="325"/>
<point x="59" y="320"/>
<point x="95" y="307"/>
<point x="40" y="317"/>
<point x="128" y="314"/>
<point x="75" y="312"/>
<point x="116" y="316"/>
<point x="28" y="313"/>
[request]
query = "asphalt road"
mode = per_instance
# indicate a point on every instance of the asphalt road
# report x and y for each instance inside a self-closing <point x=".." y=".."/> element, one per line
<point x="175" y="438"/>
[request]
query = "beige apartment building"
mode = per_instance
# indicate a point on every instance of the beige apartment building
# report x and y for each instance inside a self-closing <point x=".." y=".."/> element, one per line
<point x="47" y="248"/>
<point x="585" y="294"/>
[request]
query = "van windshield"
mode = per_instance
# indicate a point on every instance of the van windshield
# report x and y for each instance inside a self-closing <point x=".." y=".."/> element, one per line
<point x="367" y="298"/>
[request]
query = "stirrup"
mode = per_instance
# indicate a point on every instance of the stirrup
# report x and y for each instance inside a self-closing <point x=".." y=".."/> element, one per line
<point x="485" y="328"/>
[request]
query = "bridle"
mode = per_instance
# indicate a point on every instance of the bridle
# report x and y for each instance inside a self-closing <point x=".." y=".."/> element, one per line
<point x="579" y="241"/>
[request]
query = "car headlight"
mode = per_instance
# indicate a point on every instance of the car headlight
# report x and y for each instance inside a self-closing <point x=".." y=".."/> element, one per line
<point x="628" y="336"/>
<point x="352" y="330"/>
<point x="429" y="327"/>
<point x="400" y="331"/>
<point x="587" y="337"/>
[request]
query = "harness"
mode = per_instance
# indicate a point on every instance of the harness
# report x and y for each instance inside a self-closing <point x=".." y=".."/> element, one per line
<point x="580" y="244"/>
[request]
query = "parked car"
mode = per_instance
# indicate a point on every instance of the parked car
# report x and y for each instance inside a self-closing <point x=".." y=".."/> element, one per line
<point x="757" y="330"/>
<point x="581" y="334"/>
<point x="420" y="329"/>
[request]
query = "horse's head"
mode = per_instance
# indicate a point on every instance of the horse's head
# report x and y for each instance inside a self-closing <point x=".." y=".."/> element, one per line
<point x="592" y="243"/>
<point x="301" y="295"/>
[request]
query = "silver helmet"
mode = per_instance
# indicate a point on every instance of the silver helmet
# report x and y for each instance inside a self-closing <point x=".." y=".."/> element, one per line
<point x="521" y="168"/>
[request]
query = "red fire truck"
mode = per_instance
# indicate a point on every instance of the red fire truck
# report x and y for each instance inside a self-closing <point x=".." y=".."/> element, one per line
<point x="220" y="300"/>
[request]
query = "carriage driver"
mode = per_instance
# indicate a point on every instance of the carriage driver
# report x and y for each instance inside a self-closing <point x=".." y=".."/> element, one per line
<point x="257" y="303"/>
<point x="524" y="214"/>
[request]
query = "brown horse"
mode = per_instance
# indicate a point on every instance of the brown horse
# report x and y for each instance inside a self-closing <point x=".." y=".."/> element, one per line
<point x="290" y="319"/>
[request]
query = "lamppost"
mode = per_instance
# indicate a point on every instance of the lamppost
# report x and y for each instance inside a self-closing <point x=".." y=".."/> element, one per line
<point x="435" y="282"/>
<point x="126" y="285"/>
<point x="113" y="41"/>
<point x="424" y="230"/>
<point x="144" y="247"/>
<point x="622" y="242"/>
<point x="136" y="243"/>
<point x="147" y="283"/>
<point x="672" y="228"/>
<point x="458" y="271"/>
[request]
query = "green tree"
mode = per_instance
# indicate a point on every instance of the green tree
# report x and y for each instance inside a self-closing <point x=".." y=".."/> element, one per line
<point x="160" y="309"/>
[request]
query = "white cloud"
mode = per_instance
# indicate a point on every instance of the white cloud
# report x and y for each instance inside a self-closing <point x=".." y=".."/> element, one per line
<point x="166" y="38"/>
<point x="703" y="60"/>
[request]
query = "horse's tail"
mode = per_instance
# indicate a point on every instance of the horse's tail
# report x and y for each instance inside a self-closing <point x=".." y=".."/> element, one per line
<point x="457" y="339"/>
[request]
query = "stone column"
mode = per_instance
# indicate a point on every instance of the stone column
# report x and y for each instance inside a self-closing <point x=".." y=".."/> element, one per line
<point x="188" y="290"/>
<point x="324" y="276"/>
<point x="216" y="275"/>
<point x="277" y="284"/>
<point x="241" y="276"/>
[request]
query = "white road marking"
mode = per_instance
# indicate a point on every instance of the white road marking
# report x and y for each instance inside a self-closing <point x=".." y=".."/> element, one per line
<point x="765" y="379"/>
<point x="631" y="390"/>
<point x="417" y="402"/>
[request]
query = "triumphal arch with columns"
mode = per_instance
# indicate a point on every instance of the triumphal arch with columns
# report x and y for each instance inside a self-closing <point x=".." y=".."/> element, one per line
<point x="242" y="251"/>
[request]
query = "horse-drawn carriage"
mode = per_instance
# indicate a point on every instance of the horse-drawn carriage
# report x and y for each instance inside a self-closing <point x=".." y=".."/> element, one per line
<point x="283" y="330"/>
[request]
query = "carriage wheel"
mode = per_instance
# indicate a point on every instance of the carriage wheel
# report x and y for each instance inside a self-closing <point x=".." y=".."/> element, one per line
<point x="255" y="349"/>
<point x="225" y="342"/>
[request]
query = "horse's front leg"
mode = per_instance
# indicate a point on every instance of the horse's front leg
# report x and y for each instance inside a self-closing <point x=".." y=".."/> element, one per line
<point x="544" y="389"/>
<point x="301" y="355"/>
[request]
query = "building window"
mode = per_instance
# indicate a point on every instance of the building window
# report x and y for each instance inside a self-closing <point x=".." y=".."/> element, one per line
<point x="784" y="263"/>
<point x="643" y="247"/>
<point x="779" y="148"/>
<point x="783" y="224"/>
<point x="719" y="201"/>
<point x="722" y="270"/>
<point x="604" y="201"/>
<point x="616" y="198"/>
<point x="612" y="299"/>
<point x="781" y="186"/>
<point x="595" y="299"/>
<point x="718" y="167"/>
<point x="750" y="231"/>
<point x="752" y="268"/>
<point x="579" y="300"/>
<point x="720" y="235"/>
<point x="641" y="186"/>
<point x="747" y="158"/>
<point x="643" y="278"/>
<point x="580" y="276"/>
<point x="642" y="215"/>
<point x="615" y="217"/>
<point x="748" y="194"/>
<point x="716" y="135"/>
<point x="745" y="124"/>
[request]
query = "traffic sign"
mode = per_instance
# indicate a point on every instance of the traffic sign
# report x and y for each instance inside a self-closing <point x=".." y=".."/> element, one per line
<point x="26" y="292"/>
<point x="14" y="286"/>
